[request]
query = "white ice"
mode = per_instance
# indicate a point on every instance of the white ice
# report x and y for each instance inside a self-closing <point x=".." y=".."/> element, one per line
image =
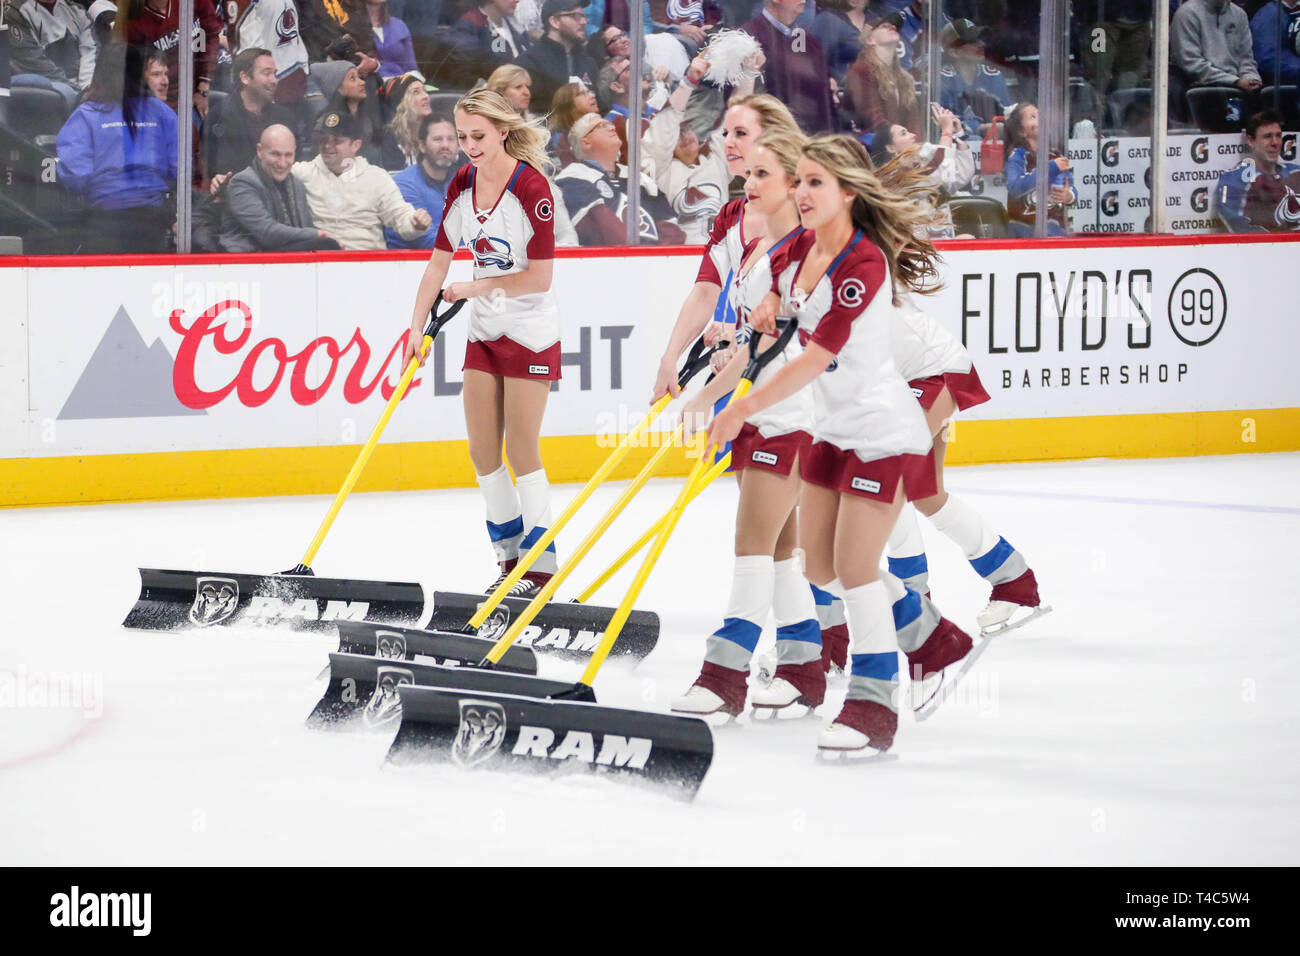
<point x="1151" y="719"/>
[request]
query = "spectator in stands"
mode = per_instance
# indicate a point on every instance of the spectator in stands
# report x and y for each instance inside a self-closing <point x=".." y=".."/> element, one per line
<point x="968" y="86"/>
<point x="615" y="84"/>
<point x="1209" y="40"/>
<point x="392" y="40"/>
<point x="486" y="29"/>
<point x="234" y="126"/>
<point x="266" y="208"/>
<point x="342" y="89"/>
<point x="514" y="83"/>
<point x="1022" y="177"/>
<point x="949" y="163"/>
<point x="570" y="103"/>
<point x="274" y="25"/>
<point x="409" y="101"/>
<point x="155" y="23"/>
<point x="424" y="184"/>
<point x="838" y="28"/>
<point x="912" y="34"/>
<point x="1120" y="58"/>
<point x="595" y="187"/>
<point x="610" y="41"/>
<point x="796" y="73"/>
<point x="338" y="30"/>
<point x="101" y="13"/>
<point x="880" y="90"/>
<point x="117" y="151"/>
<point x="1275" y="29"/>
<point x="350" y="199"/>
<point x="51" y="45"/>
<point x="1262" y="193"/>
<point x="155" y="74"/>
<point x="559" y="55"/>
<point x="693" y="178"/>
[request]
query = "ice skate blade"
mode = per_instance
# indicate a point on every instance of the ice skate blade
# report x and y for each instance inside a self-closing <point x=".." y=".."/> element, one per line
<point x="857" y="757"/>
<point x="949" y="685"/>
<point x="763" y="714"/>
<point x="715" y="718"/>
<point x="922" y="692"/>
<point x="1015" y="622"/>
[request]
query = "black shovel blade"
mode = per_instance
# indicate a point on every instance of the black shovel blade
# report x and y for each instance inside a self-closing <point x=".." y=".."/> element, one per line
<point x="437" y="647"/>
<point x="567" y="630"/>
<point x="506" y="732"/>
<point x="362" y="691"/>
<point x="170" y="600"/>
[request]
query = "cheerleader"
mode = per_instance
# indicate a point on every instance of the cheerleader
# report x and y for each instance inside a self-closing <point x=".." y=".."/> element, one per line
<point x="500" y="208"/>
<point x="767" y="576"/>
<point x="871" y="447"/>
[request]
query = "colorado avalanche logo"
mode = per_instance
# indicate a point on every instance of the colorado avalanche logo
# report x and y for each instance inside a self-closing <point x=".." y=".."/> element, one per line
<point x="543" y="210"/>
<point x="286" y="27"/>
<point x="1287" y="213"/>
<point x="851" y="293"/>
<point x="685" y="11"/>
<point x="490" y="251"/>
<point x="702" y="200"/>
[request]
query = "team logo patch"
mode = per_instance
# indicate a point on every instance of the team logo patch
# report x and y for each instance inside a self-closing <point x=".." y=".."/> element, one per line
<point x="332" y="120"/>
<point x="867" y="485"/>
<point x="491" y="251"/>
<point x="763" y="458"/>
<point x="851" y="293"/>
<point x="1287" y="213"/>
<point x="602" y="187"/>
<point x="496" y="624"/>
<point x="215" y="600"/>
<point x="390" y="645"/>
<point x="481" y="732"/>
<point x="385" y="705"/>
<point x="918" y="392"/>
<point x="543" y="210"/>
<point x="539" y="370"/>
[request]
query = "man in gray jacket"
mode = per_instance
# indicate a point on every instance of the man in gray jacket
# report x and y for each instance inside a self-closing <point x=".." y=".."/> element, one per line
<point x="266" y="207"/>
<point x="52" y="45"/>
<point x="1209" y="40"/>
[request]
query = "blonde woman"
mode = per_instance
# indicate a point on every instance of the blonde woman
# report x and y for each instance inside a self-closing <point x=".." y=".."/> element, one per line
<point x="500" y="207"/>
<point x="767" y="577"/>
<point x="871" y="448"/>
<point x="408" y="99"/>
<point x="516" y="85"/>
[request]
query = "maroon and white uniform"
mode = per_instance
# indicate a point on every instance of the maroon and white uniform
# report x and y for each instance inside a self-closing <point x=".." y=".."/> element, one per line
<point x="725" y="249"/>
<point x="930" y="358"/>
<point x="775" y="437"/>
<point x="868" y="430"/>
<point x="516" y="336"/>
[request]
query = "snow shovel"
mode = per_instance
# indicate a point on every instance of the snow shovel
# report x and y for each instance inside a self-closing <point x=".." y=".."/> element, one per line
<point x="568" y="630"/>
<point x="174" y="599"/>
<point x="499" y="728"/>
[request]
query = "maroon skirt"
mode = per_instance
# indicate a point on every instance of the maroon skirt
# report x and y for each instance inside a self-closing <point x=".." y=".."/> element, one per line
<point x="832" y="467"/>
<point x="777" y="454"/>
<point x="509" y="359"/>
<point x="965" y="387"/>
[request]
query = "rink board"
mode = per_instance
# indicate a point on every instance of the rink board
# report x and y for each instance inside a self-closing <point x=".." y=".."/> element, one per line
<point x="155" y="378"/>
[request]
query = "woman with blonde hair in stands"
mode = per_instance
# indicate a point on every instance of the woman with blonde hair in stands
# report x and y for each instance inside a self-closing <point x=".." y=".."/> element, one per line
<point x="406" y="96"/>
<point x="871" y="447"/>
<point x="500" y="207"/>
<point x="570" y="102"/>
<point x="880" y="90"/>
<point x="515" y="84"/>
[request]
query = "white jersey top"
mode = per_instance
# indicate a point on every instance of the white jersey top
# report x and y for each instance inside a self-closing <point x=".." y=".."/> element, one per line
<point x="922" y="347"/>
<point x="504" y="240"/>
<point x="860" y="403"/>
<point x="747" y="290"/>
<point x="726" y="246"/>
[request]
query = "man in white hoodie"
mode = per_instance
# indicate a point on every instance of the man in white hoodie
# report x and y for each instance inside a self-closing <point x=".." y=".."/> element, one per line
<point x="349" y="198"/>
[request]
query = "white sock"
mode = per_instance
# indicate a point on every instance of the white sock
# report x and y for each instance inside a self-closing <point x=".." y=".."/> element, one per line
<point x="965" y="527"/>
<point x="871" y="620"/>
<point x="792" y="601"/>
<point x="505" y="527"/>
<point x="905" y="540"/>
<point x="535" y="499"/>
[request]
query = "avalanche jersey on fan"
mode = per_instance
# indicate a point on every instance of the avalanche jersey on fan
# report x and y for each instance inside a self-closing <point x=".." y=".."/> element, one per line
<point x="272" y="24"/>
<point x="503" y="241"/>
<point x="746" y="291"/>
<point x="922" y="347"/>
<point x="860" y="403"/>
<point x="1252" y="201"/>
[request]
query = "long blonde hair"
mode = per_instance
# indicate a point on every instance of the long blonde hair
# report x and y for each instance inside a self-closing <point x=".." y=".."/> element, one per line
<point x="895" y="83"/>
<point x="405" y="124"/>
<point x="888" y="213"/>
<point x="525" y="141"/>
<point x="786" y="145"/>
<point x="773" y="115"/>
<point x="504" y="77"/>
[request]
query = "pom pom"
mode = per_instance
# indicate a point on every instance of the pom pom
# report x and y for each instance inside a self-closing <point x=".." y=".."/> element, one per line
<point x="726" y="53"/>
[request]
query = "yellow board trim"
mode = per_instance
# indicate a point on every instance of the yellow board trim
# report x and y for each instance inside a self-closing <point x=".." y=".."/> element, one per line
<point x="257" y="472"/>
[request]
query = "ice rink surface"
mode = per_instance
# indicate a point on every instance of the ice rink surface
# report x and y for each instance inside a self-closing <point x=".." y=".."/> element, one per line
<point x="1153" y="718"/>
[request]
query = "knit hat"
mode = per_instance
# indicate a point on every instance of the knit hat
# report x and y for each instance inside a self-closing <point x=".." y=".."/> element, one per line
<point x="395" y="88"/>
<point x="329" y="76"/>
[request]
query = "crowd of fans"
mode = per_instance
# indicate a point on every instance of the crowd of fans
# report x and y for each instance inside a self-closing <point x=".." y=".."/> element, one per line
<point x="314" y="126"/>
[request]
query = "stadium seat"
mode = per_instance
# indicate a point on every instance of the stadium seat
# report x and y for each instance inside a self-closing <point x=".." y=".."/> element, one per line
<point x="1120" y="101"/>
<point x="444" y="101"/>
<point x="980" y="216"/>
<point x="1219" y="109"/>
<point x="1286" y="100"/>
<point x="36" y="114"/>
